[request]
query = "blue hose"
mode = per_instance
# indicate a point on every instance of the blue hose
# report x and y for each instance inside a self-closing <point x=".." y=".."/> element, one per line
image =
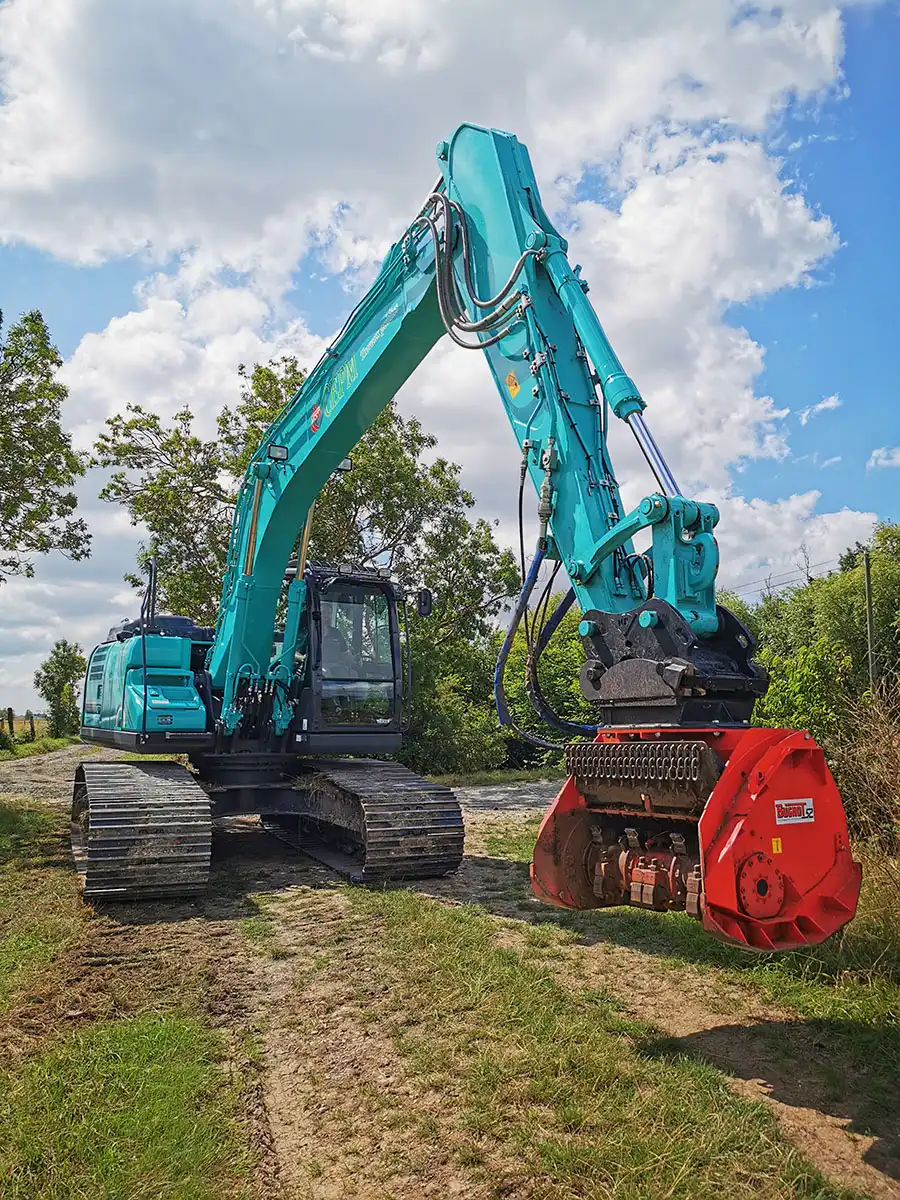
<point x="499" y="670"/>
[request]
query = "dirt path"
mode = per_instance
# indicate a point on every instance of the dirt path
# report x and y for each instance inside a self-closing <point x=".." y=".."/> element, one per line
<point x="331" y="1108"/>
<point x="770" y="1053"/>
<point x="48" y="777"/>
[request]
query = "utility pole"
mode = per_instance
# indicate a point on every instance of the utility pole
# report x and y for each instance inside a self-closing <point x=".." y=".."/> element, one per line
<point x="870" y="624"/>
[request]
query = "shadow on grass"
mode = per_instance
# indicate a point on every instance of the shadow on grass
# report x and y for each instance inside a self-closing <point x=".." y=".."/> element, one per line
<point x="247" y="862"/>
<point x="793" y="1062"/>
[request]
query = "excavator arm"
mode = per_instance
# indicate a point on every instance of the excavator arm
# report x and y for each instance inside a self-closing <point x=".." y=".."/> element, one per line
<point x="483" y="264"/>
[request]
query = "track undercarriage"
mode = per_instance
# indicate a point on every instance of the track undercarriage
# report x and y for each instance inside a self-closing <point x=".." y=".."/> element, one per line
<point x="144" y="830"/>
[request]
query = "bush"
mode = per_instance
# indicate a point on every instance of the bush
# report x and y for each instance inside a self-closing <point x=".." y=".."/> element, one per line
<point x="866" y="764"/>
<point x="458" y="736"/>
<point x="807" y="690"/>
<point x="6" y="742"/>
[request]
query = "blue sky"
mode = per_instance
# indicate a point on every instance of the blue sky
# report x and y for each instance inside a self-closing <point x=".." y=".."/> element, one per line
<point x="840" y="337"/>
<point x="729" y="174"/>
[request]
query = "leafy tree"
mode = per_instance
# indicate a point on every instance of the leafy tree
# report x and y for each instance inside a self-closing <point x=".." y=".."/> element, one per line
<point x="833" y="608"/>
<point x="182" y="487"/>
<point x="39" y="464"/>
<point x="57" y="682"/>
<point x="393" y="509"/>
<point x="807" y="690"/>
<point x="851" y="556"/>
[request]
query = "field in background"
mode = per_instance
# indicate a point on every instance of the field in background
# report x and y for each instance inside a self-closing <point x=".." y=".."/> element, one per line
<point x="21" y="725"/>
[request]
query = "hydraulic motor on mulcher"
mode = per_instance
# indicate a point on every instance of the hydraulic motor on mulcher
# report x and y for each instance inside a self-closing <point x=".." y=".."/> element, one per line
<point x="673" y="801"/>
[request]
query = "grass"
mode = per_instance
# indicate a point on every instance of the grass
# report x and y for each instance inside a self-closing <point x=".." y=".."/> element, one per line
<point x="39" y="908"/>
<point x="486" y="778"/>
<point x="138" y="1108"/>
<point x="43" y="745"/>
<point x="558" y="1081"/>
<point x="851" y="984"/>
<point x="132" y="1109"/>
<point x="259" y="928"/>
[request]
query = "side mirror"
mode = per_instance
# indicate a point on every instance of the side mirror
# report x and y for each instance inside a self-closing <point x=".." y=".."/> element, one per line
<point x="424" y="602"/>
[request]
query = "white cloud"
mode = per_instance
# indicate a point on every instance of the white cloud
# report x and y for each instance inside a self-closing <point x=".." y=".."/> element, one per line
<point x="884" y="456"/>
<point x="223" y="141"/>
<point x="831" y="462"/>
<point x="759" y="539"/>
<point x="824" y="405"/>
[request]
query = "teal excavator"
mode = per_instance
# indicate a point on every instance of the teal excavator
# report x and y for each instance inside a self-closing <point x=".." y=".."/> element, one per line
<point x="673" y="801"/>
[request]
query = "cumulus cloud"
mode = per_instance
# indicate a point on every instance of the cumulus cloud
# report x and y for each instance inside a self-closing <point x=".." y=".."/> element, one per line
<point x="824" y="405"/>
<point x="884" y="456"/>
<point x="225" y="142"/>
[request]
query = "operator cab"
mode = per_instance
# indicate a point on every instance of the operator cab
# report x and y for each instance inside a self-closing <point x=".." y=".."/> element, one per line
<point x="352" y="699"/>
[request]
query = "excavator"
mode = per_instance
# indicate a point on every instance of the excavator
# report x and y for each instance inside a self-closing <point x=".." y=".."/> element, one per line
<point x="290" y="707"/>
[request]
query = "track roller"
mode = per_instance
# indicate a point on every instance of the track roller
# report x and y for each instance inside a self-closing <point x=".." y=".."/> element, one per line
<point x="374" y="821"/>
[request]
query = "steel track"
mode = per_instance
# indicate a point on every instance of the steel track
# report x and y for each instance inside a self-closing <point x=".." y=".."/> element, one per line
<point x="140" y="831"/>
<point x="376" y="821"/>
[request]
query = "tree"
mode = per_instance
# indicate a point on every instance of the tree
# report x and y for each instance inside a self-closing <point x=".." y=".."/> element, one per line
<point x="39" y="466"/>
<point x="57" y="682"/>
<point x="393" y="510"/>
<point x="807" y="690"/>
<point x="833" y="608"/>
<point x="182" y="487"/>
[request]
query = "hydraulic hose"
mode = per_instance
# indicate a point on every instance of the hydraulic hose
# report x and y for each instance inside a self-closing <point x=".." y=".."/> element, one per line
<point x="452" y="313"/>
<point x="532" y="683"/>
<point x="503" y="712"/>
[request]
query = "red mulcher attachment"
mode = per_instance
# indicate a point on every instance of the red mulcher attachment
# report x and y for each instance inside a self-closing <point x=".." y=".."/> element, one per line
<point x="743" y="828"/>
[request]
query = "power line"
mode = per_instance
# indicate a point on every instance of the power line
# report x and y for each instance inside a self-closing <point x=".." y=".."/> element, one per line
<point x="785" y="576"/>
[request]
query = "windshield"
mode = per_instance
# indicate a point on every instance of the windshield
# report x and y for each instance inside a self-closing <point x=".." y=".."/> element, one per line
<point x="356" y="633"/>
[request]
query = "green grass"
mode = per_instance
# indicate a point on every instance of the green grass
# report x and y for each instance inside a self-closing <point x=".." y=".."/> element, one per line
<point x="43" y="745"/>
<point x="485" y="778"/>
<point x="39" y="909"/>
<point x="259" y="928"/>
<point x="850" y="985"/>
<point x="126" y="1110"/>
<point x="559" y="1081"/>
<point x="131" y="1109"/>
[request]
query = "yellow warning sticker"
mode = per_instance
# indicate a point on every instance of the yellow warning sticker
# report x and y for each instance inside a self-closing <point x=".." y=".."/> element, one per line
<point x="776" y="845"/>
<point x="512" y="384"/>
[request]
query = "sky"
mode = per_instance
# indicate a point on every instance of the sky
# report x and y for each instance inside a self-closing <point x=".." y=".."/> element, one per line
<point x="193" y="184"/>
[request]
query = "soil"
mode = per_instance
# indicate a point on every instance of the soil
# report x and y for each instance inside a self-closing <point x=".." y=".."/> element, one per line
<point x="330" y="1107"/>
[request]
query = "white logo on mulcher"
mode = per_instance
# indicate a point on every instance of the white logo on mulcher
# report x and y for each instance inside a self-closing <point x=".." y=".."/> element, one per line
<point x="794" y="812"/>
